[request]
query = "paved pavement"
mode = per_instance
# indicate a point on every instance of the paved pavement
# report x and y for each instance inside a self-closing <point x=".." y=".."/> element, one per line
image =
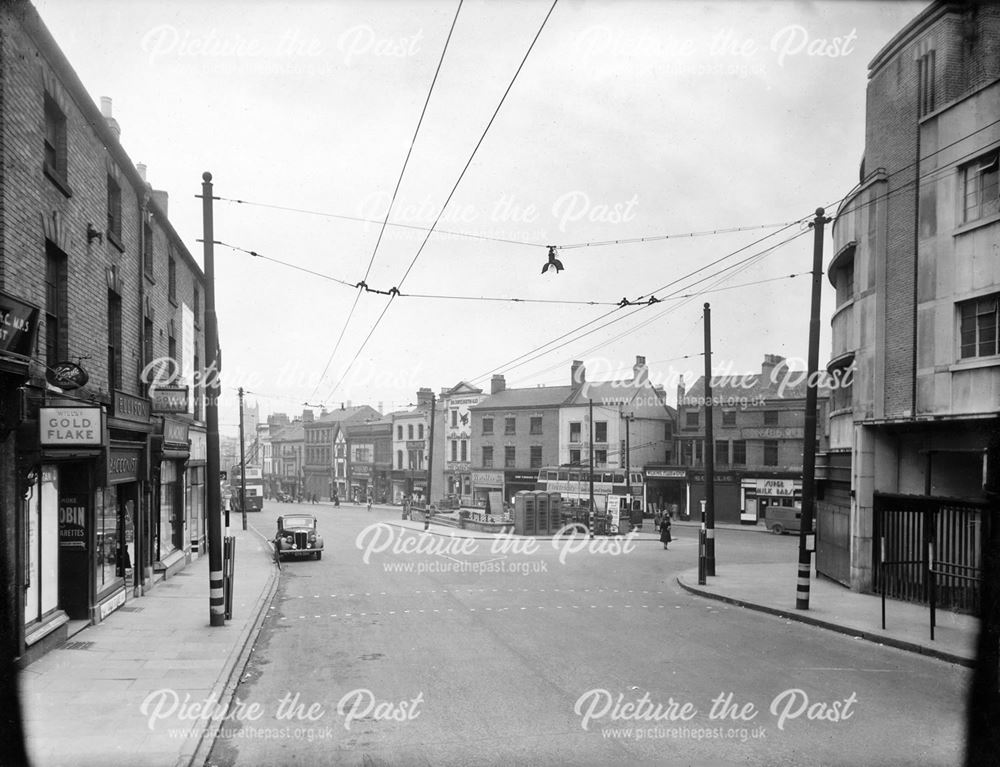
<point x="151" y="684"/>
<point x="83" y="703"/>
<point x="771" y="588"/>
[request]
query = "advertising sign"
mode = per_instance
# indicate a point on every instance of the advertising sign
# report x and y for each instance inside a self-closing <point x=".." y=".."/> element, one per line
<point x="67" y="375"/>
<point x="129" y="408"/>
<point x="169" y="399"/>
<point x="18" y="325"/>
<point x="73" y="521"/>
<point x="69" y="426"/>
<point x="779" y="487"/>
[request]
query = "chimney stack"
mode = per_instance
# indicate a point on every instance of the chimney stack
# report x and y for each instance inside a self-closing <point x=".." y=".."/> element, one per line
<point x="424" y="397"/>
<point x="141" y="168"/>
<point x="307" y="416"/>
<point x="680" y="390"/>
<point x="111" y="121"/>
<point x="578" y="373"/>
<point x="497" y="384"/>
<point x="640" y="373"/>
<point x="379" y="408"/>
<point x="771" y="361"/>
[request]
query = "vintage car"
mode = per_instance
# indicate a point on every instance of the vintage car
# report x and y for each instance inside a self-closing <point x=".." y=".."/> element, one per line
<point x="297" y="537"/>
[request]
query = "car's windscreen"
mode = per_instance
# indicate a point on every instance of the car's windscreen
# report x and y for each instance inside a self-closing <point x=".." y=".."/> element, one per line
<point x="297" y="522"/>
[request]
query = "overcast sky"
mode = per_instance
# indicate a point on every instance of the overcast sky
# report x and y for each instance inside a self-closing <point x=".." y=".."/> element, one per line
<point x="628" y="120"/>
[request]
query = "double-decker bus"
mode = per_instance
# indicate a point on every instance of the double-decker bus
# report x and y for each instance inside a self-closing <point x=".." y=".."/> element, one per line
<point x="255" y="488"/>
<point x="573" y="483"/>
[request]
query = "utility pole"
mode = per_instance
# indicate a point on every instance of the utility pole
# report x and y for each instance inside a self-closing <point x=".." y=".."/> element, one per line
<point x="593" y="511"/>
<point x="243" y="467"/>
<point x="216" y="591"/>
<point x="709" y="451"/>
<point x="628" y="468"/>
<point x="807" y="539"/>
<point x="430" y="452"/>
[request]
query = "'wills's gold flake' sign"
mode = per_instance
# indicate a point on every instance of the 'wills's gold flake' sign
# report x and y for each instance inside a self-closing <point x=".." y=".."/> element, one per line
<point x="69" y="426"/>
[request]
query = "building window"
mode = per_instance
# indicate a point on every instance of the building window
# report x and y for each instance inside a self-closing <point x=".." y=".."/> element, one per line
<point x="147" y="341"/>
<point x="509" y="457"/>
<point x="454" y="450"/>
<point x="574" y="432"/>
<point x="399" y="459"/>
<point x="147" y="248"/>
<point x="172" y="349"/>
<point x="687" y="452"/>
<point x="488" y="457"/>
<point x="600" y="431"/>
<point x="979" y="330"/>
<point x="197" y="386"/>
<point x="114" y="212"/>
<point x="55" y="142"/>
<point x="420" y="431"/>
<point x="535" y="425"/>
<point x="770" y="452"/>
<point x="728" y="417"/>
<point x="454" y="419"/>
<point x="844" y="282"/>
<point x="465" y="450"/>
<point x="56" y="348"/>
<point x="574" y="457"/>
<point x="197" y="307"/>
<point x="172" y="279"/>
<point x="536" y="456"/>
<point x="601" y="458"/>
<point x="114" y="341"/>
<point x="399" y="432"/>
<point x="739" y="452"/>
<point x="691" y="418"/>
<point x="409" y="431"/>
<point x="925" y="83"/>
<point x="487" y="425"/>
<point x="770" y="417"/>
<point x="509" y="425"/>
<point x="721" y="451"/>
<point x="980" y="184"/>
<point x="667" y="431"/>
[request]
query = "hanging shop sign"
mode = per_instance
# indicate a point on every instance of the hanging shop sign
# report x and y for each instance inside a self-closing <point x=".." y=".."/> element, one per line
<point x="70" y="426"/>
<point x="66" y="375"/>
<point x="169" y="399"/>
<point x="18" y="325"/>
<point x="175" y="432"/>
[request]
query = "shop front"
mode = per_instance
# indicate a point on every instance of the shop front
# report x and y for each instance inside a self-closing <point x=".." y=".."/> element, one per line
<point x="728" y="508"/>
<point x="130" y="427"/>
<point x="408" y="482"/>
<point x="117" y="520"/>
<point x="361" y="482"/>
<point x="178" y="490"/>
<point x="760" y="493"/>
<point x="516" y="480"/>
<point x="484" y="483"/>
<point x="197" y="468"/>
<point x="666" y="489"/>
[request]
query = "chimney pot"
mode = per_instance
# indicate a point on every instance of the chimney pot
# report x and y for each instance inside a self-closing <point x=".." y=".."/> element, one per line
<point x="578" y="373"/>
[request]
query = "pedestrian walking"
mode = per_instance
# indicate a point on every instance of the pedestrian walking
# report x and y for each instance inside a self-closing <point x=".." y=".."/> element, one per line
<point x="665" y="530"/>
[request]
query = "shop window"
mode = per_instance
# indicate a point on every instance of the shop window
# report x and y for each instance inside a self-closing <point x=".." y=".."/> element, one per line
<point x="488" y="457"/>
<point x="509" y="457"/>
<point x="535" y="425"/>
<point x="770" y="417"/>
<point x="106" y="536"/>
<point x="979" y="326"/>
<point x="510" y="425"/>
<point x="770" y="452"/>
<point x="574" y="432"/>
<point x="600" y="431"/>
<point x="728" y="417"/>
<point x="980" y="187"/>
<point x="487" y="426"/>
<point x="739" y="452"/>
<point x="536" y="456"/>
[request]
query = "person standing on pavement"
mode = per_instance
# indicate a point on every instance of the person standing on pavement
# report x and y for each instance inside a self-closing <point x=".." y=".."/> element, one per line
<point x="665" y="531"/>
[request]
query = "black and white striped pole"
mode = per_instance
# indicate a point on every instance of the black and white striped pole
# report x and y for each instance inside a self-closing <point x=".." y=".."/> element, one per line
<point x="216" y="590"/>
<point x="807" y="538"/>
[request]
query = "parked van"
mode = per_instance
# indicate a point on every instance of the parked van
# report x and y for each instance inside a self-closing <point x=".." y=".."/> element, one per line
<point x="783" y="519"/>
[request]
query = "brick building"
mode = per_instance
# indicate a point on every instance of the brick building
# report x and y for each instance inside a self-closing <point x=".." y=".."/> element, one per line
<point x="917" y="280"/>
<point x="514" y="433"/>
<point x="102" y="477"/>
<point x="411" y="449"/>
<point x="369" y="457"/>
<point x="322" y="436"/>
<point x="758" y="425"/>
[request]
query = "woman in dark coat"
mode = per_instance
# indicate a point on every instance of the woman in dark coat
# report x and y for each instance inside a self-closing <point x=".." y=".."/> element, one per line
<point x="665" y="530"/>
